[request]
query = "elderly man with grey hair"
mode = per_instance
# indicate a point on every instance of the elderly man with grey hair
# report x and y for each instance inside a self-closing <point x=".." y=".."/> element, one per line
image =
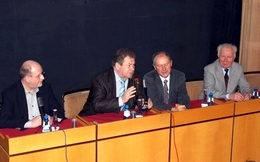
<point x="224" y="76"/>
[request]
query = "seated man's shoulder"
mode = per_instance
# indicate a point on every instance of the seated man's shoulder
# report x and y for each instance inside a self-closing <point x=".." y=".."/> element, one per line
<point x="12" y="87"/>
<point x="177" y="72"/>
<point x="151" y="74"/>
<point x="211" y="65"/>
<point x="103" y="74"/>
<point x="236" y="65"/>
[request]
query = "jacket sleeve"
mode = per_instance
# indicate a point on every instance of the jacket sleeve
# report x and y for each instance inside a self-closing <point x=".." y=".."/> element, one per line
<point x="154" y="93"/>
<point x="102" y="99"/>
<point x="11" y="115"/>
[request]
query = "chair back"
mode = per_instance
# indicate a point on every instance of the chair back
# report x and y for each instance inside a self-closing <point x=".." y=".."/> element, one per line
<point x="194" y="88"/>
<point x="253" y="78"/>
<point x="74" y="100"/>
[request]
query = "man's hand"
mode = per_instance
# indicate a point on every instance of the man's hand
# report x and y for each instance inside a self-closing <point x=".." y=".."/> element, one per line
<point x="36" y="121"/>
<point x="129" y="93"/>
<point x="246" y="96"/>
<point x="178" y="107"/>
<point x="236" y="96"/>
<point x="150" y="103"/>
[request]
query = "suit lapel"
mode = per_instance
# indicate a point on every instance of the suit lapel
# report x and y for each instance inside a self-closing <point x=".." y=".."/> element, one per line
<point x="22" y="101"/>
<point x="171" y="88"/>
<point x="220" y="74"/>
<point x="159" y="84"/>
<point x="232" y="80"/>
<point x="111" y="83"/>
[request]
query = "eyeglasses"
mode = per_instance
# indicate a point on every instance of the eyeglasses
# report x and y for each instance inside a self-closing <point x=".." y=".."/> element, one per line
<point x="39" y="76"/>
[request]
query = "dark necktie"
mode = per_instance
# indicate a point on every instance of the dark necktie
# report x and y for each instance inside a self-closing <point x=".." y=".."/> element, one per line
<point x="165" y="92"/>
<point x="226" y="78"/>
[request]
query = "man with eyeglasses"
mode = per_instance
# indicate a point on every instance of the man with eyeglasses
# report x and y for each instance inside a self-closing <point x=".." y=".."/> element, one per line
<point x="20" y="108"/>
<point x="166" y="86"/>
<point x="118" y="86"/>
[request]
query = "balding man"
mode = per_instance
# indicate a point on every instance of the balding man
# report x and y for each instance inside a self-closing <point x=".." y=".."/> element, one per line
<point x="20" y="108"/>
<point x="166" y="86"/>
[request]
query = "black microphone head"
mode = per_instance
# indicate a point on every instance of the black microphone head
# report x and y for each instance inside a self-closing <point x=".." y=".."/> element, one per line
<point x="41" y="107"/>
<point x="40" y="102"/>
<point x="144" y="85"/>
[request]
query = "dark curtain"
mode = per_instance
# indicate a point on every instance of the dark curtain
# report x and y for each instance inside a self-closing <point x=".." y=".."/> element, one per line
<point x="75" y="39"/>
<point x="226" y="25"/>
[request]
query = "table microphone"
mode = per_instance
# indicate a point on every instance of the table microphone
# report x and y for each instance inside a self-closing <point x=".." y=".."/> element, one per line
<point x="145" y="96"/>
<point x="41" y="108"/>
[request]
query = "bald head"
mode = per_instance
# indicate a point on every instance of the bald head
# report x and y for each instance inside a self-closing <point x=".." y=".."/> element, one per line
<point x="31" y="74"/>
<point x="28" y="67"/>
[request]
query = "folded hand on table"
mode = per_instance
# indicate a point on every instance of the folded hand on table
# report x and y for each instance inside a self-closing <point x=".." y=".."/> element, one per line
<point x="178" y="107"/>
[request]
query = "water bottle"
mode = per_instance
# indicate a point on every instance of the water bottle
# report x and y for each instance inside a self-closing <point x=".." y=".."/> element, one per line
<point x="204" y="102"/>
<point x="55" y="118"/>
<point x="46" y="124"/>
<point x="211" y="99"/>
<point x="126" y="112"/>
<point x="255" y="93"/>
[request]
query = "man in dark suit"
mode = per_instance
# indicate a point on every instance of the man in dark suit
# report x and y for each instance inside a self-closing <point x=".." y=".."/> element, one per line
<point x="223" y="76"/>
<point x="20" y="108"/>
<point x="118" y="86"/>
<point x="166" y="86"/>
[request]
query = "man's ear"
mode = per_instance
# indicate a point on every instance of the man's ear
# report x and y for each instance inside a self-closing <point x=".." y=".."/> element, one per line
<point x="117" y="66"/>
<point x="154" y="67"/>
<point x="27" y="78"/>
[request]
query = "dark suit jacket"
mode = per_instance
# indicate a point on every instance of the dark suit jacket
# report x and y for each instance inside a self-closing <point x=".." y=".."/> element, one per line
<point x="177" y="90"/>
<point x="102" y="97"/>
<point x="14" y="112"/>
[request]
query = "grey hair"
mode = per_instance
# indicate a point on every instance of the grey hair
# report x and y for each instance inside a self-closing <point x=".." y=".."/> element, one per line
<point x="25" y="70"/>
<point x="227" y="45"/>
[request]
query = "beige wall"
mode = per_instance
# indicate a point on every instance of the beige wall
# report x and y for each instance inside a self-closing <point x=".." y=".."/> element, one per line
<point x="250" y="36"/>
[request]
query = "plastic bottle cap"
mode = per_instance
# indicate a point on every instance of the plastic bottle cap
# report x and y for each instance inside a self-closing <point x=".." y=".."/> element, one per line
<point x="126" y="107"/>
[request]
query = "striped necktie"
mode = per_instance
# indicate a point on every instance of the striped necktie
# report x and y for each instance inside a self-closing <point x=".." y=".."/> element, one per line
<point x="165" y="92"/>
<point x="122" y="88"/>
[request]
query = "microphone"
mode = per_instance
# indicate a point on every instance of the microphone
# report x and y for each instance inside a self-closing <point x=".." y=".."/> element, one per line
<point x="41" y="108"/>
<point x="136" y="84"/>
<point x="145" y="96"/>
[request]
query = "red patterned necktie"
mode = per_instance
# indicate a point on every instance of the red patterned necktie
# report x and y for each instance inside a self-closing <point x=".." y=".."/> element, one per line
<point x="165" y="92"/>
<point x="226" y="78"/>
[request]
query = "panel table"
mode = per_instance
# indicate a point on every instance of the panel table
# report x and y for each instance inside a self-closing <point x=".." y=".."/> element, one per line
<point x="202" y="134"/>
<point x="246" y="145"/>
<point x="138" y="139"/>
<point x="74" y="144"/>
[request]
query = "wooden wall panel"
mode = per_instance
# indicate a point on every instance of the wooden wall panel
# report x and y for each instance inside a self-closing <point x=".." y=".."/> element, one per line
<point x="250" y="36"/>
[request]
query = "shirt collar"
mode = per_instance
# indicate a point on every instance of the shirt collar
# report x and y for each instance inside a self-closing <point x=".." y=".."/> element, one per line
<point x="26" y="91"/>
<point x="117" y="77"/>
<point x="167" y="78"/>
